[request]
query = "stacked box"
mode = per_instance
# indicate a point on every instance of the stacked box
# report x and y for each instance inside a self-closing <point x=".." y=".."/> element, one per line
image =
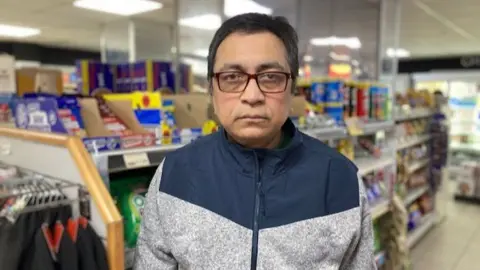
<point x="95" y="77"/>
<point x="123" y="80"/>
<point x="186" y="78"/>
<point x="152" y="76"/>
<point x="334" y="91"/>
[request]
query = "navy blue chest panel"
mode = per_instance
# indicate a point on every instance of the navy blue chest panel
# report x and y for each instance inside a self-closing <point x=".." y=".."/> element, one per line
<point x="312" y="188"/>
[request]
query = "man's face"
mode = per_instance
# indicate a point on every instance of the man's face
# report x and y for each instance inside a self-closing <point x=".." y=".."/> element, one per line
<point x="252" y="114"/>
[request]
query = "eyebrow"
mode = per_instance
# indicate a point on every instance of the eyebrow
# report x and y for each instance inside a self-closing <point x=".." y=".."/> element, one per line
<point x="270" y="65"/>
<point x="259" y="68"/>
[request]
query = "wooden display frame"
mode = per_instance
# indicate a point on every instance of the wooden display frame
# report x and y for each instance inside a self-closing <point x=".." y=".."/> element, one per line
<point x="17" y="147"/>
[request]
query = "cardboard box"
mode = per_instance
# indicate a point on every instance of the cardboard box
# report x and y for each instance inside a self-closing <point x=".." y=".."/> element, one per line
<point x="39" y="80"/>
<point x="8" y="84"/>
<point x="94" y="125"/>
<point x="95" y="78"/>
<point x="123" y="79"/>
<point x="299" y="106"/>
<point x="153" y="76"/>
<point x="186" y="79"/>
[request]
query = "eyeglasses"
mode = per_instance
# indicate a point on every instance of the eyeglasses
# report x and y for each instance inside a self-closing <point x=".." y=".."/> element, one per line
<point x="267" y="82"/>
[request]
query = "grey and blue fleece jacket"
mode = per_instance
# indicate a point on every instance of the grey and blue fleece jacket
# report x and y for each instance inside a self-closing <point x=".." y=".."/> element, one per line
<point x="215" y="205"/>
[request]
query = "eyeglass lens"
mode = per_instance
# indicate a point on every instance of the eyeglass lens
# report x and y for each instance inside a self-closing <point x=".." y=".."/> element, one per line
<point x="271" y="82"/>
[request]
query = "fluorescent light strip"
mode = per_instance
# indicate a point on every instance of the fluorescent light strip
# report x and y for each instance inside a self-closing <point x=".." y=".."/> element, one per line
<point x="14" y="31"/>
<point x="119" y="7"/>
<point x="350" y="42"/>
<point x="399" y="53"/>
<point x="205" y="22"/>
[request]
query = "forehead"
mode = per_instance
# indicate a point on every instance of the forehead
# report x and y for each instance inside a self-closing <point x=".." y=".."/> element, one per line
<point x="251" y="50"/>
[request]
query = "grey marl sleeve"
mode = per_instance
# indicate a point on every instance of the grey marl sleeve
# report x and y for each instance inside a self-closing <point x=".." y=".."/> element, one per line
<point x="360" y="256"/>
<point x="152" y="252"/>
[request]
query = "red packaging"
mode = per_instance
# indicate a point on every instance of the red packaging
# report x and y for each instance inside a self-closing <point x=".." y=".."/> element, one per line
<point x="137" y="140"/>
<point x="362" y="101"/>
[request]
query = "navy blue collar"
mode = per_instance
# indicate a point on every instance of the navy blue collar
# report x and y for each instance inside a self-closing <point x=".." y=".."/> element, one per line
<point x="272" y="161"/>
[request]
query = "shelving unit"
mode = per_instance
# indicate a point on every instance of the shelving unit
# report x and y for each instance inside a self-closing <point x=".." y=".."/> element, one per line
<point x="418" y="233"/>
<point x="417" y="164"/>
<point x="467" y="178"/>
<point x="408" y="168"/>
<point x="380" y="208"/>
<point x="65" y="158"/>
<point x="412" y="141"/>
<point x="414" y="194"/>
<point x="367" y="165"/>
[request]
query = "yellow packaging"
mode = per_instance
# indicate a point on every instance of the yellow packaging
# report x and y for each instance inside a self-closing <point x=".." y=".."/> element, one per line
<point x="140" y="100"/>
<point x="209" y="127"/>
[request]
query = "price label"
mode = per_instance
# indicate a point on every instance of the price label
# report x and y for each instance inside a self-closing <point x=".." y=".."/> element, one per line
<point x="136" y="160"/>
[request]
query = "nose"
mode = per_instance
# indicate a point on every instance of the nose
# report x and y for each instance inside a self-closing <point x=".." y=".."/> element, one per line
<point x="252" y="94"/>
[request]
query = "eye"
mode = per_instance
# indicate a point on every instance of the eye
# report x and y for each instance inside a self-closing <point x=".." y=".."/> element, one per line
<point x="272" y="77"/>
<point x="231" y="76"/>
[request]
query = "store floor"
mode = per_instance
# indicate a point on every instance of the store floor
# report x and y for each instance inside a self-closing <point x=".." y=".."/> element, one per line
<point x="453" y="244"/>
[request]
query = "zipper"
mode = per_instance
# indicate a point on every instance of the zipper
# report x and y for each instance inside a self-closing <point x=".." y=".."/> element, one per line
<point x="258" y="187"/>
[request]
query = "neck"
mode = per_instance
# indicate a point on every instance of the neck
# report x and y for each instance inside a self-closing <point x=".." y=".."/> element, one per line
<point x="265" y="143"/>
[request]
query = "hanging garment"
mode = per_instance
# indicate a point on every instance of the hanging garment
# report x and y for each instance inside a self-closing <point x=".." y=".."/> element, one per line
<point x="38" y="256"/>
<point x="52" y="249"/>
<point x="84" y="245"/>
<point x="96" y="243"/>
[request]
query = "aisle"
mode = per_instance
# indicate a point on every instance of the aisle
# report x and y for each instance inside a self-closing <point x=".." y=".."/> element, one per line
<point x="454" y="244"/>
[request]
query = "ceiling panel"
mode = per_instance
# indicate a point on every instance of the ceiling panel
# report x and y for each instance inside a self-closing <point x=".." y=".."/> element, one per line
<point x="423" y="32"/>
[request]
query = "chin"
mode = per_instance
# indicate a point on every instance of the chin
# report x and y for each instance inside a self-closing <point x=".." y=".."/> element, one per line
<point x="251" y="133"/>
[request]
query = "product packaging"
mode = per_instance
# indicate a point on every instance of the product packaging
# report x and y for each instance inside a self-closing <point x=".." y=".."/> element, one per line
<point x="334" y="100"/>
<point x="363" y="101"/>
<point x="95" y="78"/>
<point x="122" y="125"/>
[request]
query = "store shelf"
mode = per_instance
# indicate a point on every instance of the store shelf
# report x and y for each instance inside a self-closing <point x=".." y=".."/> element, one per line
<point x="327" y="133"/>
<point x="126" y="159"/>
<point x="413" y="140"/>
<point x="472" y="148"/>
<point x="374" y="127"/>
<point x="414" y="114"/>
<point x="417" y="164"/>
<point x="427" y="223"/>
<point x="380" y="258"/>
<point x="415" y="194"/>
<point x="367" y="165"/>
<point x="380" y="208"/>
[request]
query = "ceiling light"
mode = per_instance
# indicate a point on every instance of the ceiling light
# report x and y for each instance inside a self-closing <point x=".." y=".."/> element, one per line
<point x="307" y="58"/>
<point x="201" y="52"/>
<point x="237" y="7"/>
<point x="119" y="7"/>
<point x="350" y="42"/>
<point x="398" y="53"/>
<point x="205" y="22"/>
<point x="17" y="31"/>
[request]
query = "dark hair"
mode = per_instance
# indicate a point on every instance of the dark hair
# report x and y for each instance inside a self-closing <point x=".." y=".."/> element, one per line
<point x="252" y="23"/>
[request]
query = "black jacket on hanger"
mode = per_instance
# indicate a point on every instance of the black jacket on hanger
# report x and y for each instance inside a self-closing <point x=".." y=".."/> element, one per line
<point x="100" y="256"/>
<point x="86" y="254"/>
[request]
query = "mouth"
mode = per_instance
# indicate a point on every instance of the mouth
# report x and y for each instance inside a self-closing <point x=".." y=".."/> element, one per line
<point x="253" y="117"/>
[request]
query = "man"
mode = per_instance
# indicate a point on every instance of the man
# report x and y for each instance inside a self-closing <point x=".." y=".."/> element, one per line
<point x="258" y="194"/>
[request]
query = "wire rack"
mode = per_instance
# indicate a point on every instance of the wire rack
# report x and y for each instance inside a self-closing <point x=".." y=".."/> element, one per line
<point x="31" y="192"/>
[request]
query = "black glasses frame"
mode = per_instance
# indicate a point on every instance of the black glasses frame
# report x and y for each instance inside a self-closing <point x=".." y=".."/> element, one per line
<point x="254" y="76"/>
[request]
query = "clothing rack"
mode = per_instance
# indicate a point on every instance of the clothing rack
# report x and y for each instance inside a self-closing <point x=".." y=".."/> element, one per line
<point x="25" y="190"/>
<point x="63" y="166"/>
